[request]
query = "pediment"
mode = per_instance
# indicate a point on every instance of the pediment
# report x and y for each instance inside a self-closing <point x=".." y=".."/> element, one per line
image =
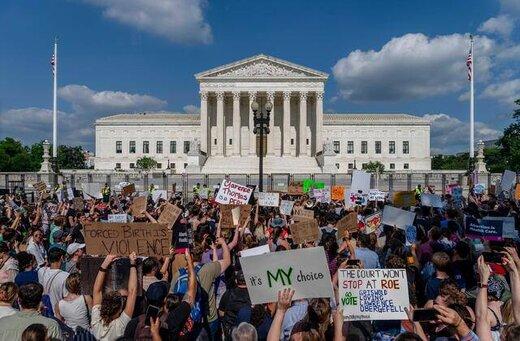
<point x="261" y="67"/>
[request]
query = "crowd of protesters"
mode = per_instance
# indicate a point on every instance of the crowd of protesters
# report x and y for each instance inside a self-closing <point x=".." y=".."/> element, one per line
<point x="199" y="290"/>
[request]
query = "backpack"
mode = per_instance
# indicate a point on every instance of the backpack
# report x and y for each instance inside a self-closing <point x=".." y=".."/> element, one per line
<point x="181" y="287"/>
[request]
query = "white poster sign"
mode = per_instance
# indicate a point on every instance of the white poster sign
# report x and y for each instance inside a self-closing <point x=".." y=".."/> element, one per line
<point x="431" y="200"/>
<point x="255" y="251"/>
<point x="118" y="218"/>
<point x="394" y="216"/>
<point x="233" y="193"/>
<point x="303" y="270"/>
<point x="268" y="199"/>
<point x="91" y="190"/>
<point x="159" y="194"/>
<point x="286" y="207"/>
<point x="373" y="294"/>
<point x="360" y="182"/>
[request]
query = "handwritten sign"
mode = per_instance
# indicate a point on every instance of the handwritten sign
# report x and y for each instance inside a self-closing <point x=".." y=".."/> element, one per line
<point x="373" y="294"/>
<point x="128" y="190"/>
<point x="431" y="200"/>
<point x="404" y="199"/>
<point x="226" y="217"/>
<point x="303" y="270"/>
<point x="301" y="213"/>
<point x="372" y="222"/>
<point x="169" y="215"/>
<point x="397" y="217"/>
<point x="347" y="223"/>
<point x="138" y="206"/>
<point x="118" y="218"/>
<point x="233" y="193"/>
<point x="286" y="207"/>
<point x="123" y="238"/>
<point x="484" y="228"/>
<point x="305" y="231"/>
<point x="360" y="182"/>
<point x="337" y="193"/>
<point x="268" y="199"/>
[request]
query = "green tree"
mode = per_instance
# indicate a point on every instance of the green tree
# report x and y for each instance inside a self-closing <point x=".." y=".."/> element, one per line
<point x="374" y="166"/>
<point x="510" y="142"/>
<point x="146" y="163"/>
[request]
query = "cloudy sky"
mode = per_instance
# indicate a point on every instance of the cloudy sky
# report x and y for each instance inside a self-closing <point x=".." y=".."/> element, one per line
<point x="134" y="55"/>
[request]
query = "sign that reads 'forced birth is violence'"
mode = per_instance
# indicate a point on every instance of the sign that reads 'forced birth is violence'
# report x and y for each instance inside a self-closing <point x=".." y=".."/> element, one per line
<point x="233" y="193"/>
<point x="145" y="239"/>
<point x="373" y="294"/>
<point x="303" y="270"/>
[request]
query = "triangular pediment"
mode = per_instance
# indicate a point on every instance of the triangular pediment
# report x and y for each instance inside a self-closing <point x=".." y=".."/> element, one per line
<point x="261" y="67"/>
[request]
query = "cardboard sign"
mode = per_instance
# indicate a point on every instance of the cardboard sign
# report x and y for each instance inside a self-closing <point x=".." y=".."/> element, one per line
<point x="118" y="218"/>
<point x="431" y="200"/>
<point x="321" y="195"/>
<point x="268" y="199"/>
<point x="123" y="238"/>
<point x="347" y="223"/>
<point x="337" y="193"/>
<point x="397" y="217"/>
<point x="139" y="206"/>
<point x="169" y="215"/>
<point x="233" y="193"/>
<point x="286" y="207"/>
<point x="255" y="251"/>
<point x="40" y="186"/>
<point x="360" y="182"/>
<point x="305" y="231"/>
<point x="303" y="270"/>
<point x="78" y="204"/>
<point x="128" y="190"/>
<point x="159" y="194"/>
<point x="373" y="294"/>
<point x="226" y="217"/>
<point x="300" y="213"/>
<point x="376" y="195"/>
<point x="372" y="222"/>
<point x="484" y="228"/>
<point x="404" y="199"/>
<point x="295" y="189"/>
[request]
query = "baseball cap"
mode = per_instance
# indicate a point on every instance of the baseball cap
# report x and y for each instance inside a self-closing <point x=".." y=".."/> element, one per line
<point x="72" y="248"/>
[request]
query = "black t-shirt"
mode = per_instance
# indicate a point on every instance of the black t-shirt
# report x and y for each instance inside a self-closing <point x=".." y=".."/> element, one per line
<point x="230" y="303"/>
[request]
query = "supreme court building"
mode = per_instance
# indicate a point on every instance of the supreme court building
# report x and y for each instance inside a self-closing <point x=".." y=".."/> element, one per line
<point x="302" y="138"/>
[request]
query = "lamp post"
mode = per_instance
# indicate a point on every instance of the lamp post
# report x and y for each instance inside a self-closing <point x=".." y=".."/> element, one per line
<point x="261" y="122"/>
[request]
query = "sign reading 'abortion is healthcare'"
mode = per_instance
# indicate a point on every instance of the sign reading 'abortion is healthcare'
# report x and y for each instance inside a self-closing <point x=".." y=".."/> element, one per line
<point x="233" y="193"/>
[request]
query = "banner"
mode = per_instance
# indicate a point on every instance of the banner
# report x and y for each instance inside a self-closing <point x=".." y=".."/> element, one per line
<point x="372" y="222"/>
<point x="233" y="193"/>
<point x="255" y="251"/>
<point x="268" y="199"/>
<point x="397" y="217"/>
<point x="347" y="223"/>
<point x="484" y="228"/>
<point x="373" y="294"/>
<point x="286" y="207"/>
<point x="118" y="218"/>
<point x="431" y="200"/>
<point x="303" y="270"/>
<point x="121" y="239"/>
<point x="305" y="231"/>
<point x="300" y="213"/>
<point x="376" y="195"/>
<point x="169" y="215"/>
<point x="337" y="193"/>
<point x="404" y="199"/>
<point x="128" y="190"/>
<point x="226" y="217"/>
<point x="360" y="182"/>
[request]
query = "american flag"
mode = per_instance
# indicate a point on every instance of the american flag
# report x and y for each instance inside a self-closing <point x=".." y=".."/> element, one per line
<point x="469" y="64"/>
<point x="53" y="64"/>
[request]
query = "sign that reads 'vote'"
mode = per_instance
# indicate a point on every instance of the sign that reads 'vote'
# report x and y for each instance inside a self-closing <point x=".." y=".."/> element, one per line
<point x="373" y="294"/>
<point x="303" y="270"/>
<point x="233" y="193"/>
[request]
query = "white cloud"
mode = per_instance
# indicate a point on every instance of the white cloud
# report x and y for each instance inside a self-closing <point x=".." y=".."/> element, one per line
<point x="410" y="67"/>
<point x="502" y="25"/>
<point x="181" y="21"/>
<point x="191" y="109"/>
<point x="506" y="92"/>
<point x="451" y="135"/>
<point x="84" y="99"/>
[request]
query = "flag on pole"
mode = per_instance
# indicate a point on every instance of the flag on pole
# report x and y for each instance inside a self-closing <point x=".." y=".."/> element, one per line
<point x="53" y="64"/>
<point x="469" y="63"/>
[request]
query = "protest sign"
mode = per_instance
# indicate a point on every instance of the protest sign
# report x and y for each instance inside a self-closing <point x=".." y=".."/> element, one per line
<point x="305" y="231"/>
<point x="347" y="223"/>
<point x="376" y="195"/>
<point x="431" y="200"/>
<point x="404" y="199"/>
<point x="360" y="182"/>
<point x="138" y="206"/>
<point x="303" y="270"/>
<point x="233" y="193"/>
<point x="295" y="188"/>
<point x="321" y="195"/>
<point x="226" y="217"/>
<point x="169" y="215"/>
<point x="78" y="204"/>
<point x="123" y="238"/>
<point x="484" y="228"/>
<point x="372" y="222"/>
<point x="397" y="217"/>
<point x="40" y="186"/>
<point x="337" y="193"/>
<point x="300" y="213"/>
<point x="373" y="294"/>
<point x="255" y="251"/>
<point x="268" y="199"/>
<point x="118" y="218"/>
<point x="286" y="207"/>
<point x="92" y="190"/>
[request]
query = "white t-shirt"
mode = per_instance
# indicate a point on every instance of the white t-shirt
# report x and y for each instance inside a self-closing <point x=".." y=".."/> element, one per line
<point x="7" y="311"/>
<point x="53" y="281"/>
<point x="113" y="330"/>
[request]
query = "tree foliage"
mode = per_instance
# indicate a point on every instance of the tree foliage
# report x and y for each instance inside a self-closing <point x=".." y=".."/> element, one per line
<point x="374" y="166"/>
<point x="146" y="163"/>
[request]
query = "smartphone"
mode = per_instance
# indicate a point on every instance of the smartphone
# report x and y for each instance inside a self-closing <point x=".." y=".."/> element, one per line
<point x="353" y="262"/>
<point x="151" y="312"/>
<point x="425" y="315"/>
<point x="492" y="257"/>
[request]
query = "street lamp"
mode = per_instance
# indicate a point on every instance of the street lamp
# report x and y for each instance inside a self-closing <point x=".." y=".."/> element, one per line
<point x="261" y="122"/>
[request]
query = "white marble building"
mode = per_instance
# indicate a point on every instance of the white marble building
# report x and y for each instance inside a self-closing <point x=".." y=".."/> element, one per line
<point x="302" y="138"/>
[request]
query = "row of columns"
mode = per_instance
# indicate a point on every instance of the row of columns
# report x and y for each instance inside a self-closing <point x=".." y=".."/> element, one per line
<point x="286" y="123"/>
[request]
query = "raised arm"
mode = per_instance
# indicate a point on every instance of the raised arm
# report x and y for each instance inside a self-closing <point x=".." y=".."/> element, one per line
<point x="225" y="262"/>
<point x="284" y="302"/>
<point x="97" y="291"/>
<point x="132" y="286"/>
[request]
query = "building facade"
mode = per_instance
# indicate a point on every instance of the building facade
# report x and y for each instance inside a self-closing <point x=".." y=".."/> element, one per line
<point x="302" y="138"/>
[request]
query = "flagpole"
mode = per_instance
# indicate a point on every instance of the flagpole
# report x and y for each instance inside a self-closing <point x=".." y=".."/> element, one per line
<point x="55" y="103"/>
<point x="472" y="104"/>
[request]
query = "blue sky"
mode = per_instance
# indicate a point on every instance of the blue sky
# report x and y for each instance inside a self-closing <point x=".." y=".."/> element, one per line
<point x="134" y="55"/>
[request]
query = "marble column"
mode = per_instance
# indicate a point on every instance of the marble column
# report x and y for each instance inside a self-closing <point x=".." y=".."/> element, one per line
<point x="236" y="123"/>
<point x="270" y="136"/>
<point x="204" y="131"/>
<point x="252" y="138"/>
<point x="303" y="124"/>
<point x="286" y="123"/>
<point x="220" y="123"/>
<point x="319" y="121"/>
